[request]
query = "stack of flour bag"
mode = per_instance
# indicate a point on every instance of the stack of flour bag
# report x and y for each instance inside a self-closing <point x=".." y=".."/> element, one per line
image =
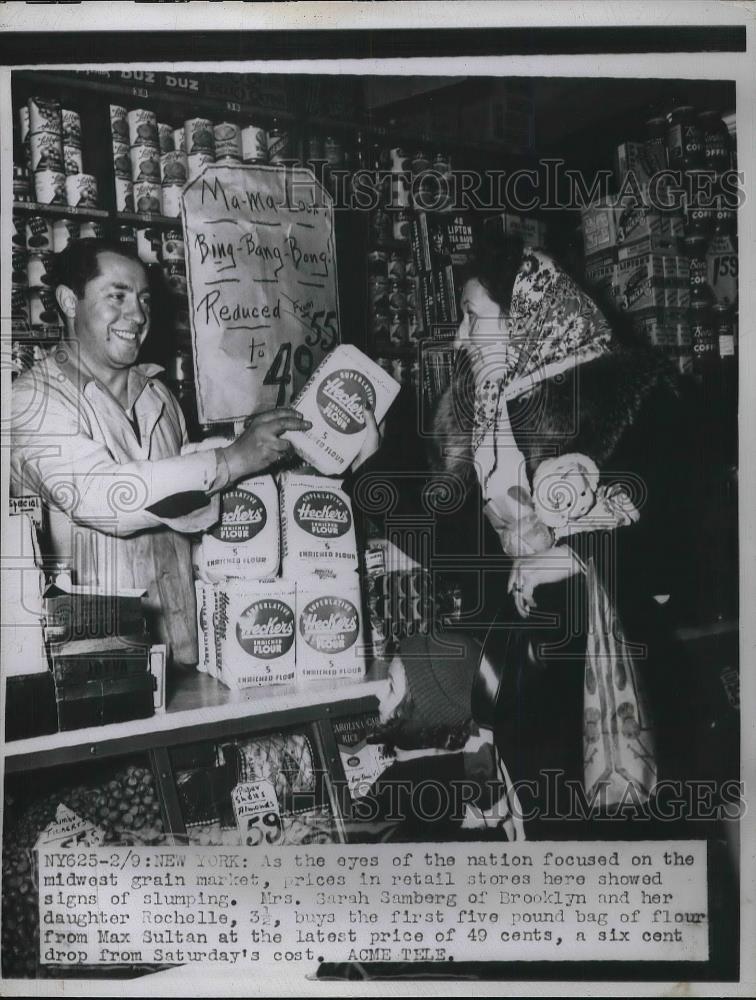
<point x="258" y="626"/>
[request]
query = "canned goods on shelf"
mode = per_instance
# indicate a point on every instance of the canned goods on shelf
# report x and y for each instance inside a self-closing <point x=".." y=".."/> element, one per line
<point x="72" y="160"/>
<point x="39" y="270"/>
<point x="396" y="267"/>
<point x="46" y="151"/>
<point x="148" y="244"/>
<point x="179" y="139"/>
<point x="121" y="159"/>
<point x="421" y="162"/>
<point x="398" y="327"/>
<point x="199" y="136"/>
<point x="81" y="191"/>
<point x="172" y="245"/>
<point x="145" y="163"/>
<point x="142" y="125"/>
<point x="43" y="311"/>
<point x="401" y="226"/>
<point x="379" y="326"/>
<point x="399" y="160"/>
<point x="381" y="225"/>
<point x="126" y="234"/>
<point x="378" y="264"/>
<point x="65" y="230"/>
<point x="172" y="200"/>
<point x="23" y="122"/>
<point x="173" y="168"/>
<point x="278" y="145"/>
<point x="397" y="295"/>
<point x="71" y="121"/>
<point x="50" y="187"/>
<point x="148" y="198"/>
<point x="166" y="141"/>
<point x="92" y="230"/>
<point x="227" y="137"/>
<point x="45" y="115"/>
<point x="124" y="194"/>
<point x="119" y="125"/>
<point x="254" y="141"/>
<point x="21" y="183"/>
<point x="39" y="233"/>
<point x="19" y="264"/>
<point x="333" y="151"/>
<point x="18" y="239"/>
<point x="174" y="273"/>
<point x="442" y="163"/>
<point x="195" y="163"/>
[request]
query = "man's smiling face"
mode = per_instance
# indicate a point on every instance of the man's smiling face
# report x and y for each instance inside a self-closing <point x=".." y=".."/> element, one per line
<point x="112" y="318"/>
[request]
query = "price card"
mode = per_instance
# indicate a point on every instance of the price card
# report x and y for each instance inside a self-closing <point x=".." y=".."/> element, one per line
<point x="257" y="815"/>
<point x="261" y="276"/>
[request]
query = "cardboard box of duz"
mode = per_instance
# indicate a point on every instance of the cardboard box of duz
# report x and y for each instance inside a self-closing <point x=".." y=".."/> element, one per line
<point x="317" y="525"/>
<point x="640" y="283"/>
<point x="334" y="400"/>
<point x="599" y="226"/>
<point x="330" y="643"/>
<point x="245" y="543"/>
<point x="254" y="624"/>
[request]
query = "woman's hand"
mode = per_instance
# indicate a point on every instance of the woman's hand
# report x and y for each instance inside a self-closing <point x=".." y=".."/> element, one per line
<point x="552" y="566"/>
<point x="373" y="439"/>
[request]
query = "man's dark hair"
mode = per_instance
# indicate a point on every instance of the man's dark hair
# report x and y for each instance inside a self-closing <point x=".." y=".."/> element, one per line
<point x="77" y="264"/>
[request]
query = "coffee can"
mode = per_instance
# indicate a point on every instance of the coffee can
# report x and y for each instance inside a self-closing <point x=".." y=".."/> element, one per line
<point x="121" y="159"/>
<point x="172" y="245"/>
<point x="173" y="168"/>
<point x="254" y="143"/>
<point x="45" y="116"/>
<point x="196" y="162"/>
<point x="166" y="141"/>
<point x="124" y="194"/>
<point x="92" y="230"/>
<point x="64" y="230"/>
<point x="39" y="270"/>
<point x="71" y="128"/>
<point x="50" y="187"/>
<point x="145" y="163"/>
<point x="46" y="151"/>
<point x="199" y="136"/>
<point x="148" y="198"/>
<point x="18" y="239"/>
<point x="72" y="161"/>
<point x="21" y="184"/>
<point x="148" y="244"/>
<point x="227" y="137"/>
<point x="39" y="233"/>
<point x="81" y="191"/>
<point x="142" y="124"/>
<point x="179" y="140"/>
<point x="19" y="264"/>
<point x="43" y="311"/>
<point x="119" y="125"/>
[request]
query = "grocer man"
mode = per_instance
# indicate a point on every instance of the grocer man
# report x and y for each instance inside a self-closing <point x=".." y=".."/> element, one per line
<point x="104" y="442"/>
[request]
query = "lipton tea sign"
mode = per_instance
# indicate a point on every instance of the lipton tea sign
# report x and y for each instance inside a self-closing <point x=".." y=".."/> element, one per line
<point x="261" y="277"/>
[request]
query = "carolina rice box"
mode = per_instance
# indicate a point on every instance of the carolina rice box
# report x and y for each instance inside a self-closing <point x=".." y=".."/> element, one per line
<point x="255" y="633"/>
<point x="317" y="526"/>
<point x="245" y="542"/>
<point x="334" y="400"/>
<point x="329" y="629"/>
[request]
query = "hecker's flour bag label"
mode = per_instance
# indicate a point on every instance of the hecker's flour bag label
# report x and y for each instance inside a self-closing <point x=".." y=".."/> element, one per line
<point x="317" y="526"/>
<point x="255" y="625"/>
<point x="245" y="542"/>
<point x="334" y="401"/>
<point x="206" y="627"/>
<point x="329" y="629"/>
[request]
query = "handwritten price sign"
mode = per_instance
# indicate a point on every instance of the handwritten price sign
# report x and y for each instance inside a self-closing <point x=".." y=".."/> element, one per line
<point x="261" y="275"/>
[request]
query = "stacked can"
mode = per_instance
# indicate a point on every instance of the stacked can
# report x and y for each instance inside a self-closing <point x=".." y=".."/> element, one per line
<point x="199" y="145"/>
<point x="23" y="131"/>
<point x="44" y="320"/>
<point x="228" y="143"/>
<point x="174" y="172"/>
<point x="21" y="187"/>
<point x="173" y="260"/>
<point x="399" y="196"/>
<point x="279" y="149"/>
<point x="166" y="138"/>
<point x="144" y="156"/>
<point x="72" y="160"/>
<point x="124" y="186"/>
<point x="19" y="292"/>
<point x="254" y="144"/>
<point x="46" y="150"/>
<point x="378" y="301"/>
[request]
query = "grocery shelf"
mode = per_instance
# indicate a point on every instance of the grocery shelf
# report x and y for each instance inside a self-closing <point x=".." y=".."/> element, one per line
<point x="62" y="211"/>
<point x="199" y="707"/>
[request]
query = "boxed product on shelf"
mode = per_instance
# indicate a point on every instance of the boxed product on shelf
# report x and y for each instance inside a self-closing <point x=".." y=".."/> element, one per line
<point x="641" y="159"/>
<point x="599" y="225"/>
<point x="639" y="221"/>
<point x="245" y="541"/>
<point x="661" y="327"/>
<point x="640" y="283"/>
<point x="317" y="525"/>
<point x="254" y="625"/>
<point x="330" y="643"/>
<point x="334" y="400"/>
<point x="532" y="231"/>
